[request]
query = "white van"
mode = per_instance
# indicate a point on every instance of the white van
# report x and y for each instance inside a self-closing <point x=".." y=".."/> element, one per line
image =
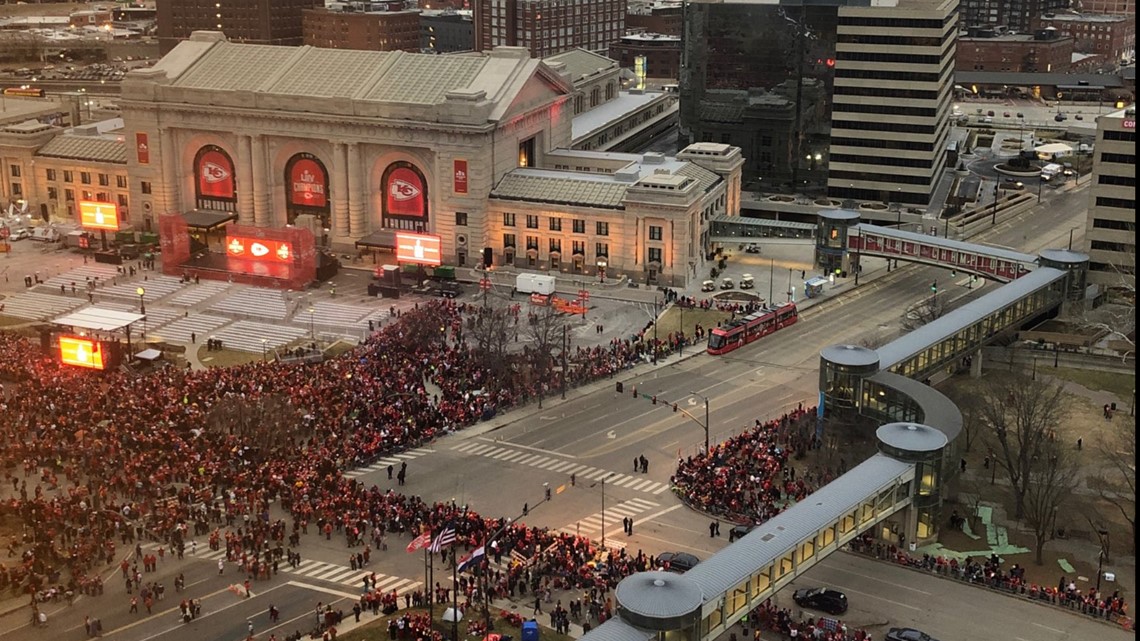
<point x="1051" y="170"/>
<point x="46" y="234"/>
<point x="534" y="284"/>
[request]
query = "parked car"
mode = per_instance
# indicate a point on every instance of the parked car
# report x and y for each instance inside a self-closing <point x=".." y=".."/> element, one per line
<point x="1020" y="115"/>
<point x="708" y="286"/>
<point x="746" y="282"/>
<point x="990" y="113"/>
<point x="1079" y="117"/>
<point x="20" y="233"/>
<point x="679" y="562"/>
<point x="1060" y="117"/>
<point x="1006" y="114"/>
<point x="988" y="119"/>
<point x="830" y="601"/>
<point x="726" y="283"/>
<point x="908" y="634"/>
<point x="449" y="289"/>
<point x="739" y="532"/>
<point x="752" y="248"/>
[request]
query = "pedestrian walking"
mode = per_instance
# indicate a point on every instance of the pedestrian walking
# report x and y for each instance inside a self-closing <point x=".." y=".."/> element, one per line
<point x="221" y="566"/>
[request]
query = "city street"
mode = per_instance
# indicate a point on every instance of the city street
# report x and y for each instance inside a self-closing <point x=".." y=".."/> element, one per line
<point x="594" y="435"/>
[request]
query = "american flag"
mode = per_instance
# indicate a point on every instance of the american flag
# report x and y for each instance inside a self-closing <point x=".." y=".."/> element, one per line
<point x="444" y="538"/>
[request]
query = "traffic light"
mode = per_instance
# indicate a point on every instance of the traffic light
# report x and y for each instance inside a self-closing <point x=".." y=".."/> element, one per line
<point x="547" y="493"/>
<point x="674" y="407"/>
<point x="619" y="388"/>
<point x="488" y="257"/>
<point x="934" y="287"/>
<point x="635" y="391"/>
<point x="654" y="399"/>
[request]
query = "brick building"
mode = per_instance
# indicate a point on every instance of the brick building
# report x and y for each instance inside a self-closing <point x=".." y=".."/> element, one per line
<point x="383" y="27"/>
<point x="1112" y="36"/>
<point x="655" y="17"/>
<point x="984" y="50"/>
<point x="268" y="22"/>
<point x="662" y="53"/>
<point x="548" y="27"/>
<point x="1114" y="7"/>
<point x="1018" y="15"/>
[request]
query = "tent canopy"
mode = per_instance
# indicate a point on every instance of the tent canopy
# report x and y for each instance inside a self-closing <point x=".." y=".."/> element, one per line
<point x="98" y="319"/>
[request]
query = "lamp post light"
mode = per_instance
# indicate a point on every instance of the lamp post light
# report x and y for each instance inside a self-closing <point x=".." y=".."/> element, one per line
<point x="706" y="425"/>
<point x="312" y="330"/>
<point x="142" y="303"/>
<point x="602" y="481"/>
<point x="993" y="218"/>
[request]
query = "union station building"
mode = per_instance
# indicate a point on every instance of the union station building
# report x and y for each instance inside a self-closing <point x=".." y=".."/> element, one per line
<point x="357" y="146"/>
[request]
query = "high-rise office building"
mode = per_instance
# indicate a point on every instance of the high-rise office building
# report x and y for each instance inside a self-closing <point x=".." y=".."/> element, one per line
<point x="807" y="91"/>
<point x="548" y="27"/>
<point x="893" y="94"/>
<point x="1110" y="231"/>
<point x="1018" y="15"/>
<point x="270" y="22"/>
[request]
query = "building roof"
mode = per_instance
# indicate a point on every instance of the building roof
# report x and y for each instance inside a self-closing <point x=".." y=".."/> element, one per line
<point x="581" y="63"/>
<point x="763" y="545"/>
<point x="1027" y="79"/>
<point x="911" y="437"/>
<point x="938" y="411"/>
<point x="597" y="119"/>
<point x="1086" y="17"/>
<point x="98" y="319"/>
<point x="598" y="189"/>
<point x="615" y="629"/>
<point x="93" y="148"/>
<point x="659" y="595"/>
<point x="207" y="62"/>
<point x="946" y="326"/>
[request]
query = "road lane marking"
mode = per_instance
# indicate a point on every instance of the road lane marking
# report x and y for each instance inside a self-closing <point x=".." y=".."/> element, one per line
<point x="321" y="588"/>
<point x="527" y="447"/>
<point x="875" y="596"/>
<point x="1048" y="628"/>
<point x="868" y="576"/>
<point x="207" y="615"/>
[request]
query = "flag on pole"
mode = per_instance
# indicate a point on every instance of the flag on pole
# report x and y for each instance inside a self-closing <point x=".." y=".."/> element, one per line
<point x="471" y="560"/>
<point x="445" y="538"/>
<point x="420" y="542"/>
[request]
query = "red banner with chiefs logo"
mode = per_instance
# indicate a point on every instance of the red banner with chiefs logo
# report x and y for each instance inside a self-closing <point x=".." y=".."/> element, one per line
<point x="215" y="175"/>
<point x="460" y="176"/>
<point x="405" y="193"/>
<point x="258" y="249"/>
<point x="308" y="183"/>
<point x="142" y="148"/>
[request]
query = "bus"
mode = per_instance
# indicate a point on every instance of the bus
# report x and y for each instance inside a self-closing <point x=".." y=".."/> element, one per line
<point x="753" y="326"/>
<point x="27" y="92"/>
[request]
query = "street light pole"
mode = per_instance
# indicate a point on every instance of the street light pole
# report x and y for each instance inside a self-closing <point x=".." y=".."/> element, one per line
<point x="656" y="315"/>
<point x="312" y="330"/>
<point x="603" y="482"/>
<point x="706" y="425"/>
<point x="142" y="302"/>
<point x="993" y="219"/>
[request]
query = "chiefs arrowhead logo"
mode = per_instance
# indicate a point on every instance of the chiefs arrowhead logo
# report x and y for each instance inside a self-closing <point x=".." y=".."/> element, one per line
<point x="214" y="173"/>
<point x="403" y="190"/>
<point x="258" y="250"/>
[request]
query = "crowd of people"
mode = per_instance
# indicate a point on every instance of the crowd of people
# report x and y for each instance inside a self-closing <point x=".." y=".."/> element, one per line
<point x="749" y="478"/>
<point x="991" y="572"/>
<point x="97" y="461"/>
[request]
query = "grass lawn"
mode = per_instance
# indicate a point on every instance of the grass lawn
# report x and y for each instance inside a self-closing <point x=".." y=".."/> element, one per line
<point x="225" y="357"/>
<point x="670" y="321"/>
<point x="1121" y="385"/>
<point x="377" y="629"/>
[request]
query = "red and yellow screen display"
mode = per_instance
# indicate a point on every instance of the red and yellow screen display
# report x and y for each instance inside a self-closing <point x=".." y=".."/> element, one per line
<point x="418" y="248"/>
<point x="80" y="352"/>
<point x="96" y="215"/>
<point x="260" y="250"/>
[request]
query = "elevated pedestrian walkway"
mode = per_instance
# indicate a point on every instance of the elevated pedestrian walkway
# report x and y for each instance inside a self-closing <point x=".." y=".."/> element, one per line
<point x="995" y="263"/>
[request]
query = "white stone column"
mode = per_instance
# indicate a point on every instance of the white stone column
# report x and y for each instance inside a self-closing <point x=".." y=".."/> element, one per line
<point x="245" y="180"/>
<point x="262" y="216"/>
<point x="339" y="179"/>
<point x="171" y="202"/>
<point x="356" y="193"/>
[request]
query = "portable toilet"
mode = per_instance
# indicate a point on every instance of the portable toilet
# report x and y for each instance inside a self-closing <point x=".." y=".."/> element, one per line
<point x="530" y="631"/>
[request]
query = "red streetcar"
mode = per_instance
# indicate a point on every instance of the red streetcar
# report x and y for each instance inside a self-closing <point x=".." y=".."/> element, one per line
<point x="756" y="325"/>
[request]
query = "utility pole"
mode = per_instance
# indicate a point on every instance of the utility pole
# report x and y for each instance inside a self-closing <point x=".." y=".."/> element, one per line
<point x="771" y="281"/>
<point x="565" y="346"/>
<point x="656" y="315"/>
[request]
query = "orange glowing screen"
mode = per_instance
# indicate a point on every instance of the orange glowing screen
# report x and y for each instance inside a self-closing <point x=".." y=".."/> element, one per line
<point x="418" y="248"/>
<point x="80" y="352"/>
<point x="95" y="215"/>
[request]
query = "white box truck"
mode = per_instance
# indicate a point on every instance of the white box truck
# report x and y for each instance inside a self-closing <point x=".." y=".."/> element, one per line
<point x="534" y="284"/>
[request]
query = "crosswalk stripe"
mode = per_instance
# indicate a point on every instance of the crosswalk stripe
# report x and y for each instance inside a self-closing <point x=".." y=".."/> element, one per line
<point x="548" y="465"/>
<point x="318" y="570"/>
<point x="586" y="471"/>
<point x="503" y="454"/>
<point x="391" y="583"/>
<point x="328" y="572"/>
<point x="575" y="469"/>
<point x="625" y="482"/>
<point x="480" y="449"/>
<point x="562" y="467"/>
<point x="526" y="460"/>
<point x="405" y="455"/>
<point x="340" y="575"/>
<point x="307" y="564"/>
<point x="514" y="457"/>
<point x="645" y="505"/>
<point x="661" y="489"/>
<point x="596" y="474"/>
<point x="538" y="461"/>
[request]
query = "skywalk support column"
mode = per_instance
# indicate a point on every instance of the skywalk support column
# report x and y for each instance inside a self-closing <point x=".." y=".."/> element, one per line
<point x="355" y="192"/>
<point x="262" y="216"/>
<point x="976" y="364"/>
<point x="340" y="169"/>
<point x="245" y="180"/>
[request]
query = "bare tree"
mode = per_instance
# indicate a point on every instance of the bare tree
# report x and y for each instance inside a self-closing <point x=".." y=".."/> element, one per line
<point x="263" y="423"/>
<point x="1052" y="478"/>
<point x="1117" y="480"/>
<point x="1118" y="316"/>
<point x="544" y="330"/>
<point x="493" y="330"/>
<point x="1019" y="416"/>
<point x="968" y="397"/>
<point x="925" y="311"/>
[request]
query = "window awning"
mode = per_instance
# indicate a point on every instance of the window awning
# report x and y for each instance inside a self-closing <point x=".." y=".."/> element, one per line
<point x="207" y="220"/>
<point x="383" y="239"/>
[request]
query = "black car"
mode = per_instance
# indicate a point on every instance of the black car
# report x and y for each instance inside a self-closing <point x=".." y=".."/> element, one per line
<point x="679" y="562"/>
<point x="449" y="289"/>
<point x="739" y="532"/>
<point x="825" y="599"/>
<point x="908" y="634"/>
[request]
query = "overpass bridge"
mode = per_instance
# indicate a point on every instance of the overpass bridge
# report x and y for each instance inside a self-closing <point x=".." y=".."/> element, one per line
<point x="996" y="263"/>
